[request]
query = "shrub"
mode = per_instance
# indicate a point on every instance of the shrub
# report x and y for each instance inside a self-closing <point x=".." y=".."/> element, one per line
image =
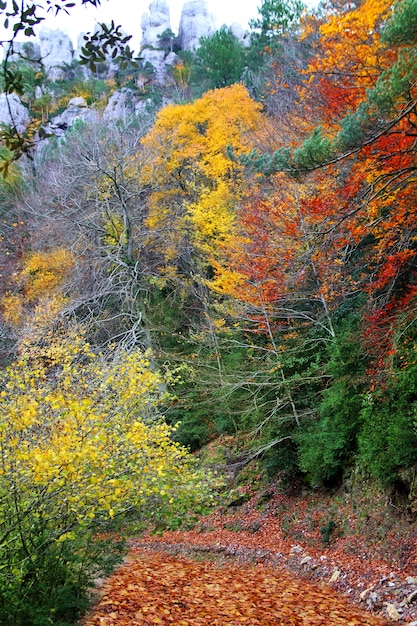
<point x="81" y="442"/>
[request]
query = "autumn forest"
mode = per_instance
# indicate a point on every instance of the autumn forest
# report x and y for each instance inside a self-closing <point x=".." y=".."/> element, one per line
<point x="237" y="264"/>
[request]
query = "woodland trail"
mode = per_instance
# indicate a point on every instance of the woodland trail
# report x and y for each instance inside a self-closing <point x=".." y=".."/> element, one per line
<point x="266" y="564"/>
<point x="155" y="587"/>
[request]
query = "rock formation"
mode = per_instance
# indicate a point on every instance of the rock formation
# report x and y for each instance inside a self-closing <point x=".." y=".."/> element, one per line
<point x="241" y="35"/>
<point x="196" y="22"/>
<point x="56" y="50"/>
<point x="120" y="105"/>
<point x="156" y="58"/>
<point x="172" y="59"/>
<point x="155" y="23"/>
<point x="13" y="112"/>
<point x="77" y="109"/>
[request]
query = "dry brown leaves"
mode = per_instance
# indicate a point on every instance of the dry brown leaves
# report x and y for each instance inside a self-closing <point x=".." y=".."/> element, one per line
<point x="154" y="587"/>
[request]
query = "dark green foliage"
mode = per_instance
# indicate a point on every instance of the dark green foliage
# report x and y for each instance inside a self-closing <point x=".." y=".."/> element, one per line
<point x="277" y="17"/>
<point x="327" y="532"/>
<point x="327" y="444"/>
<point x="219" y="61"/>
<point x="168" y="41"/>
<point x="395" y="85"/>
<point x="54" y="585"/>
<point x="282" y="461"/>
<point x="109" y="39"/>
<point x="388" y="437"/>
<point x="314" y="152"/>
<point x="401" y="28"/>
<point x="268" y="163"/>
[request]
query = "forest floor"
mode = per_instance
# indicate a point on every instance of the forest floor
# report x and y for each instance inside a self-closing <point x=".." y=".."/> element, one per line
<point x="272" y="557"/>
<point x="274" y="562"/>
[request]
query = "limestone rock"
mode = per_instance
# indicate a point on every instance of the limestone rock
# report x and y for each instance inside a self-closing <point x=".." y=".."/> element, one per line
<point x="373" y="601"/>
<point x="392" y="612"/>
<point x="172" y="59"/>
<point x="144" y="107"/>
<point x="335" y="576"/>
<point x="241" y="35"/>
<point x="155" y="23"/>
<point x="412" y="597"/>
<point x="121" y="104"/>
<point x="13" y="112"/>
<point x="56" y="50"/>
<point x="366" y="592"/>
<point x="77" y="109"/>
<point x="157" y="59"/>
<point x="196" y="22"/>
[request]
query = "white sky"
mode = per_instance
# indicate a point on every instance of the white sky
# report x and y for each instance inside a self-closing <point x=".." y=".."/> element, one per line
<point x="129" y="13"/>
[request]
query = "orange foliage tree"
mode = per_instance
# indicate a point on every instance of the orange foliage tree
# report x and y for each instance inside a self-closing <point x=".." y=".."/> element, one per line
<point x="361" y="87"/>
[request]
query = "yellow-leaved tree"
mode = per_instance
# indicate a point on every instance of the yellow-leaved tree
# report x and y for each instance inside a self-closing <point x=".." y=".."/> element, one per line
<point x="37" y="299"/>
<point x="196" y="183"/>
<point x="80" y="444"/>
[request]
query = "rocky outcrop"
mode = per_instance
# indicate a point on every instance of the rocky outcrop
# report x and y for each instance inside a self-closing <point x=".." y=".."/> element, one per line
<point x="144" y="108"/>
<point x="196" y="22"/>
<point x="155" y="23"/>
<point x="172" y="59"/>
<point x="121" y="104"/>
<point x="241" y="35"/>
<point x="77" y="109"/>
<point x="409" y="479"/>
<point x="156" y="58"/>
<point x="13" y="112"/>
<point x="56" y="50"/>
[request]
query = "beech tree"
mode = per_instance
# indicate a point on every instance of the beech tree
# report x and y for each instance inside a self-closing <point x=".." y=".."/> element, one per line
<point x="360" y="168"/>
<point x="197" y="184"/>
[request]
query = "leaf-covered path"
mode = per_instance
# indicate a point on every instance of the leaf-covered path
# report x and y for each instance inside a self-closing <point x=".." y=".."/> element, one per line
<point x="155" y="587"/>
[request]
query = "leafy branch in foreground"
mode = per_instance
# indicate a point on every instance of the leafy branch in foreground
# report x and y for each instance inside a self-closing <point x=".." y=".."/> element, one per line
<point x="22" y="18"/>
